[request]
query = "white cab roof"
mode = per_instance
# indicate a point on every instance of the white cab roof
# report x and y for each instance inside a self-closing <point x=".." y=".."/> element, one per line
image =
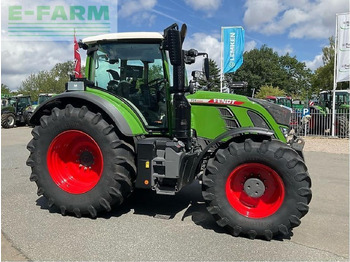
<point x="124" y="36"/>
<point x="336" y="91"/>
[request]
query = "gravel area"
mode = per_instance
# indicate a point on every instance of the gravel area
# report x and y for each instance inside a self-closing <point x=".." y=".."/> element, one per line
<point x="327" y="145"/>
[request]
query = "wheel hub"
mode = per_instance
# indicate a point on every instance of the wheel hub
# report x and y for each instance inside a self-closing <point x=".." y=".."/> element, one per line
<point x="254" y="187"/>
<point x="86" y="158"/>
<point x="10" y="120"/>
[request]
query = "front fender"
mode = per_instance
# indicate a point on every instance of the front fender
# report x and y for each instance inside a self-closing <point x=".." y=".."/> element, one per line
<point x="125" y="120"/>
<point x="225" y="137"/>
<point x="8" y="109"/>
<point x="237" y="132"/>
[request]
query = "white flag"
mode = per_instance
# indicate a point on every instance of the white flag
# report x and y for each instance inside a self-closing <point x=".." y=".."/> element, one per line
<point x="343" y="49"/>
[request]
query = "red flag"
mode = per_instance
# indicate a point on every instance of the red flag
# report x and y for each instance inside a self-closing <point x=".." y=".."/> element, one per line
<point x="77" y="60"/>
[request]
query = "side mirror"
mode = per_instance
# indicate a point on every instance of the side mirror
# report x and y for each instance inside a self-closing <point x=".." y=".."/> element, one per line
<point x="183" y="32"/>
<point x="206" y="67"/>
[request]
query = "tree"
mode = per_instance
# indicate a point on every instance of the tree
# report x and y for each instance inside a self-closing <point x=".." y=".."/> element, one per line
<point x="269" y="90"/>
<point x="5" y="90"/>
<point x="155" y="72"/>
<point x="324" y="75"/>
<point x="213" y="82"/>
<point x="265" y="67"/>
<point x="52" y="81"/>
<point x="297" y="79"/>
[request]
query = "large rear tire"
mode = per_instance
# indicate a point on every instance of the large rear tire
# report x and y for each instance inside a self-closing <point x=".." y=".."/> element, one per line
<point x="257" y="189"/>
<point x="342" y="127"/>
<point x="79" y="163"/>
<point x="8" y="120"/>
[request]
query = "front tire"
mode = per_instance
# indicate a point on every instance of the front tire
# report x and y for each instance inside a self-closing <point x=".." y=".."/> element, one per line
<point x="28" y="117"/>
<point x="257" y="189"/>
<point x="79" y="163"/>
<point x="342" y="127"/>
<point x="8" y="120"/>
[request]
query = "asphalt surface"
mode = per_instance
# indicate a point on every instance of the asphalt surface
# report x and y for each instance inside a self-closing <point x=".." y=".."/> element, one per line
<point x="153" y="227"/>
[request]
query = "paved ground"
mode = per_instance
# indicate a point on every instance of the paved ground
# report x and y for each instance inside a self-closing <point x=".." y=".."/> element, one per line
<point x="151" y="227"/>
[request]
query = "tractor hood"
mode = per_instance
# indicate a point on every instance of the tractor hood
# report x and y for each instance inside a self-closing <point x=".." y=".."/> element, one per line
<point x="280" y="114"/>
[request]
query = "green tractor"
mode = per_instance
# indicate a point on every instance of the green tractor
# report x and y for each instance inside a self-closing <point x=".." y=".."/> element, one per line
<point x="296" y="104"/>
<point x="12" y="111"/>
<point x="30" y="110"/>
<point x="134" y="122"/>
<point x="280" y="100"/>
<point x="321" y="120"/>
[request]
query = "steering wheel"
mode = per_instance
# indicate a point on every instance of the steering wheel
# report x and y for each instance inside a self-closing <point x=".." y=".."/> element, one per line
<point x="156" y="81"/>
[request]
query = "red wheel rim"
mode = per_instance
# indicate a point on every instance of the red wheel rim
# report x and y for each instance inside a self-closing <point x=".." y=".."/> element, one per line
<point x="255" y="207"/>
<point x="75" y="161"/>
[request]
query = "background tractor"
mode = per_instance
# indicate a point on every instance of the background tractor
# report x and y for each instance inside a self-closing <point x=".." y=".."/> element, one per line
<point x="321" y="113"/>
<point x="27" y="114"/>
<point x="296" y="104"/>
<point x="133" y="123"/>
<point x="12" y="111"/>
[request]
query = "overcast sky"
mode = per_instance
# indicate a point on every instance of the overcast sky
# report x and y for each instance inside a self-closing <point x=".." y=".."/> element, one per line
<point x="299" y="27"/>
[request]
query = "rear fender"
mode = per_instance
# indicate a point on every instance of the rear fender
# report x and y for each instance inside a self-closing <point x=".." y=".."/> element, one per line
<point x="128" y="124"/>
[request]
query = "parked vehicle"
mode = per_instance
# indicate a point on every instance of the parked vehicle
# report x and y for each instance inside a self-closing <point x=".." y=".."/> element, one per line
<point x="321" y="121"/>
<point x="133" y="123"/>
<point x="12" y="112"/>
<point x="29" y="110"/>
<point x="295" y="104"/>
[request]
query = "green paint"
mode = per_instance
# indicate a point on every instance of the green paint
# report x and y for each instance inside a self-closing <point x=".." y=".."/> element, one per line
<point x="54" y="27"/>
<point x="36" y="35"/>
<point x="93" y="13"/>
<point x="59" y="23"/>
<point x="129" y="115"/>
<point x="15" y="12"/>
<point x="205" y="118"/>
<point x="59" y="13"/>
<point x="87" y="65"/>
<point x="208" y="123"/>
<point x="41" y="11"/>
<point x="77" y="12"/>
<point x="59" y="30"/>
<point x="29" y="12"/>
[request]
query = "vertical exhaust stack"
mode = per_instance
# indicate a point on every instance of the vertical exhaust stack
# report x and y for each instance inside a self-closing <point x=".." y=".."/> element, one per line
<point x="173" y="39"/>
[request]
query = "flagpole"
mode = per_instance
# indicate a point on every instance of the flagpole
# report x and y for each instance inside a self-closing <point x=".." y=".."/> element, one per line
<point x="221" y="62"/>
<point x="335" y="74"/>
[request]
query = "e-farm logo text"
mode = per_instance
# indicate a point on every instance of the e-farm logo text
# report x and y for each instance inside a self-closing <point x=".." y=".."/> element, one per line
<point x="59" y="22"/>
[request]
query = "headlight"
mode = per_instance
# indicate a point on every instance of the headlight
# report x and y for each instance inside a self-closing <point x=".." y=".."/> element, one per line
<point x="284" y="130"/>
<point x="281" y="114"/>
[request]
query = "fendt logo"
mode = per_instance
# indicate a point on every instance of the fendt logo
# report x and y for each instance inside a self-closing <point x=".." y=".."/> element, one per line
<point x="55" y="22"/>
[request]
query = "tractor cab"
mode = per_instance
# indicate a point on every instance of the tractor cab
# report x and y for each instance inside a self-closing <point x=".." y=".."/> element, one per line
<point x="280" y="100"/>
<point x="133" y="71"/>
<point x="18" y="103"/>
<point x="341" y="99"/>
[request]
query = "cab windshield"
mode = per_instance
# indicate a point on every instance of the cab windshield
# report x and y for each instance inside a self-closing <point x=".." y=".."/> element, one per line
<point x="134" y="72"/>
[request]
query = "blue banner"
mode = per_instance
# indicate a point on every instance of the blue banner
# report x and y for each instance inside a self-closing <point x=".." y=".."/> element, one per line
<point x="233" y="45"/>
